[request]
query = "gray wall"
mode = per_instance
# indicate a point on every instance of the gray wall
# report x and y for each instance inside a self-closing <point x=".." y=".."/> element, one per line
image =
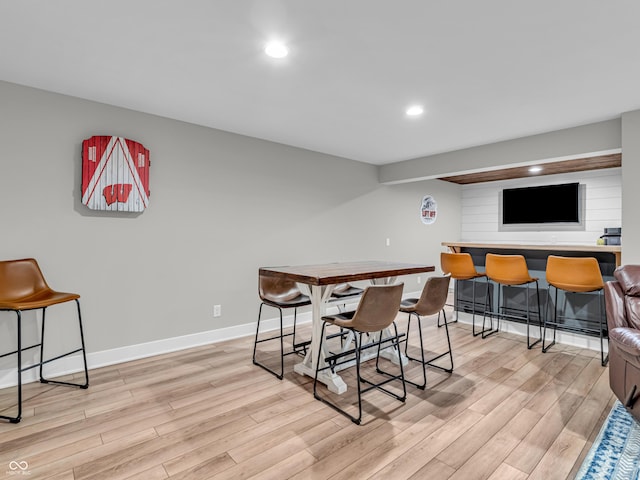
<point x="221" y="206"/>
<point x="630" y="190"/>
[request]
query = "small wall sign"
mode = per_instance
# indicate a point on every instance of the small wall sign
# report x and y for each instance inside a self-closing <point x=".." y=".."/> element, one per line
<point x="428" y="210"/>
<point x="115" y="174"/>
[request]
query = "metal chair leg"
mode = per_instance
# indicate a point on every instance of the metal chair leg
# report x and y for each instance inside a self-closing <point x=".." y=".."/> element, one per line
<point x="448" y="352"/>
<point x="429" y="361"/>
<point x="545" y="346"/>
<point x="455" y="307"/>
<point x="421" y="360"/>
<point x="332" y="363"/>
<point x="82" y="350"/>
<point x="529" y="344"/>
<point x="488" y="332"/>
<point x="18" y="352"/>
<point x="257" y="340"/>
<point x="603" y="360"/>
<point x="20" y="369"/>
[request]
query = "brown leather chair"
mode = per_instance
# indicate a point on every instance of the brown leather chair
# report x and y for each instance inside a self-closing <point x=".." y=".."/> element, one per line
<point x="281" y="294"/>
<point x="431" y="302"/>
<point x="376" y="311"/>
<point x="23" y="288"/>
<point x="622" y="299"/>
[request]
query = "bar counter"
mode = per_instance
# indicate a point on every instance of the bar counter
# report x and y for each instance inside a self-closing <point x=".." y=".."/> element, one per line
<point x="555" y="249"/>
<point x="584" y="306"/>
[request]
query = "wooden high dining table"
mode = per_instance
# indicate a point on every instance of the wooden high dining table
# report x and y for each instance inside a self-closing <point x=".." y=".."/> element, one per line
<point x="317" y="281"/>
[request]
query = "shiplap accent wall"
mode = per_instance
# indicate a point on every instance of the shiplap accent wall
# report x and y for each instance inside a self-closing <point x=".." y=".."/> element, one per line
<point x="603" y="208"/>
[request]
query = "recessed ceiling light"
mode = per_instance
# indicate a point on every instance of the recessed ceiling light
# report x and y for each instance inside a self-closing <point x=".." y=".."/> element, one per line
<point x="276" y="50"/>
<point x="535" y="169"/>
<point x="415" y="110"/>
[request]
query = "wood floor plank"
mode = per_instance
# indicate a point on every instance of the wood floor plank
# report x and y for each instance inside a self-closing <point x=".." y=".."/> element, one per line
<point x="490" y="456"/>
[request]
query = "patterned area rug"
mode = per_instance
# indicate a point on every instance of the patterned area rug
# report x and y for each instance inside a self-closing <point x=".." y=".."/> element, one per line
<point x="615" y="454"/>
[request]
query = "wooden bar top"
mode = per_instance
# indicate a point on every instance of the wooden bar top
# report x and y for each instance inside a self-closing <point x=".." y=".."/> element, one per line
<point x="616" y="250"/>
<point x="333" y="273"/>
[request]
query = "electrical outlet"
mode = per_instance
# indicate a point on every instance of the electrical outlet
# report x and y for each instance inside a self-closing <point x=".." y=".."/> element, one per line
<point x="419" y="279"/>
<point x="388" y="242"/>
<point x="217" y="310"/>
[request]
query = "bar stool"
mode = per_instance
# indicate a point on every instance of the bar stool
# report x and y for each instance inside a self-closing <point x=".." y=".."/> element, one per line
<point x="510" y="271"/>
<point x="23" y="288"/>
<point x="281" y="294"/>
<point x="376" y="311"/>
<point x="431" y="301"/>
<point x="460" y="267"/>
<point x="574" y="275"/>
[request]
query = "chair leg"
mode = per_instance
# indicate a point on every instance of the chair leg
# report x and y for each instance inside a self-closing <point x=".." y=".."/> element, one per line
<point x="429" y="361"/>
<point x="603" y="360"/>
<point x="18" y="352"/>
<point x="455" y="307"/>
<point x="326" y="401"/>
<point x="42" y="361"/>
<point x="422" y="385"/>
<point x="490" y="331"/>
<point x="81" y="349"/>
<point x="546" y="347"/>
<point x="448" y="352"/>
<point x="529" y="344"/>
<point x="358" y="341"/>
<point x="396" y="344"/>
<point x="257" y="340"/>
<point x="332" y="362"/>
<point x="487" y="302"/>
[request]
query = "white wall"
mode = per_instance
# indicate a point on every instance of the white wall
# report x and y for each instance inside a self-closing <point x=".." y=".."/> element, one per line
<point x="603" y="208"/>
<point x="221" y="206"/>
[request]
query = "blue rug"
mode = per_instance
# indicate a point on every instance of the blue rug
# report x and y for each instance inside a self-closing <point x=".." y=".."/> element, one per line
<point x="615" y="453"/>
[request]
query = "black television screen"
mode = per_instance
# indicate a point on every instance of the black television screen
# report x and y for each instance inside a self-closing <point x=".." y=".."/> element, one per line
<point x="545" y="204"/>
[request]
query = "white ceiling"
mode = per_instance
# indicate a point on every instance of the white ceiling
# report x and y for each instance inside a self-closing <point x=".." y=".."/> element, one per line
<point x="485" y="70"/>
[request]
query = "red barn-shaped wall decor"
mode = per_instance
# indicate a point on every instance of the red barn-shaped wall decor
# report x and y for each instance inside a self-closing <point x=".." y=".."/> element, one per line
<point x="115" y="174"/>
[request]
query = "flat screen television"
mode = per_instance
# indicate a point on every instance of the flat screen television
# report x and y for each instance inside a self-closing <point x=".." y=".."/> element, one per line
<point x="547" y="204"/>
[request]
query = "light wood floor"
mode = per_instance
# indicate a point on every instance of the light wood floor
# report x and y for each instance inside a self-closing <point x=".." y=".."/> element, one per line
<point x="505" y="413"/>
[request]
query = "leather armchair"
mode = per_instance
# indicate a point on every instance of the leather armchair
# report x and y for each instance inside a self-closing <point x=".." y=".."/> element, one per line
<point x="622" y="298"/>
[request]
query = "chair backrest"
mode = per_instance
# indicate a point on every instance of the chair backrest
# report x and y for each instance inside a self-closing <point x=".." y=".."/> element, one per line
<point x="20" y="279"/>
<point x="341" y="288"/>
<point x="507" y="269"/>
<point x="574" y="274"/>
<point x="459" y="265"/>
<point x="434" y="295"/>
<point x="277" y="290"/>
<point x="378" y="307"/>
<point x="628" y="276"/>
